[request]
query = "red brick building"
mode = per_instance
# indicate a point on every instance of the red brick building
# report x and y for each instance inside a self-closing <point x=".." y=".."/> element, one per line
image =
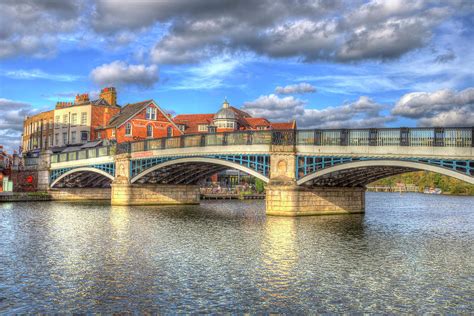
<point x="227" y="119"/>
<point x="139" y="121"/>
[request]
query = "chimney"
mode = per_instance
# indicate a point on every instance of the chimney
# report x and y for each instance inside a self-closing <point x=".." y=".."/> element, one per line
<point x="82" y="98"/>
<point x="62" y="104"/>
<point x="110" y="95"/>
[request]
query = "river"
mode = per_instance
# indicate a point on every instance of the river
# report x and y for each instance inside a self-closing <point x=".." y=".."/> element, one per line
<point x="409" y="253"/>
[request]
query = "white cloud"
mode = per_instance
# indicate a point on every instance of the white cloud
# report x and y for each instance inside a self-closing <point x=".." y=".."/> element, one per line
<point x="39" y="74"/>
<point x="299" y="88"/>
<point x="119" y="73"/>
<point x="439" y="108"/>
<point x="364" y="112"/>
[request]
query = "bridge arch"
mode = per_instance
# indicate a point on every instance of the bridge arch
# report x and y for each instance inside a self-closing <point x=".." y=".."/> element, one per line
<point x="213" y="165"/>
<point x="360" y="173"/>
<point x="83" y="171"/>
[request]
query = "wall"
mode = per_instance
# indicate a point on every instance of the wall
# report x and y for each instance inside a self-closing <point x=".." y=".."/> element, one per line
<point x="298" y="201"/>
<point x="79" y="194"/>
<point x="25" y="180"/>
<point x="68" y="127"/>
<point x="100" y="117"/>
<point x="153" y="194"/>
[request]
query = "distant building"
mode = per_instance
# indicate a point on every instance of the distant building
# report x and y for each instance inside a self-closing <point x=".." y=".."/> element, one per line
<point x="137" y="121"/>
<point x="227" y="119"/>
<point x="76" y="123"/>
<point x="38" y="131"/>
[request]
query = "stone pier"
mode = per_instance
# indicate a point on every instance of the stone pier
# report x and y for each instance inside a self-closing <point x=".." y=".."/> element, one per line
<point x="291" y="200"/>
<point x="125" y="193"/>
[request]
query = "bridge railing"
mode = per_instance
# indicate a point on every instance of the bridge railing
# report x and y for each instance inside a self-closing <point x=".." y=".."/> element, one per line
<point x="413" y="137"/>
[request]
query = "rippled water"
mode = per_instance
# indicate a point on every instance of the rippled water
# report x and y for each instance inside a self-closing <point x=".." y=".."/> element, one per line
<point x="411" y="253"/>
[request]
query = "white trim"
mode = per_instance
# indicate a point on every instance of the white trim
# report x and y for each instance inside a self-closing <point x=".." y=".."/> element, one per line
<point x="201" y="159"/>
<point x="79" y="170"/>
<point x="388" y="163"/>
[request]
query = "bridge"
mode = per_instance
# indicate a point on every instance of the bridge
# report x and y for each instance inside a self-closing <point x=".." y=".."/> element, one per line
<point x="307" y="172"/>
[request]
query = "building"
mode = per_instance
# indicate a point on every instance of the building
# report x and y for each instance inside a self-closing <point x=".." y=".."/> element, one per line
<point x="227" y="119"/>
<point x="38" y="132"/>
<point x="139" y="121"/>
<point x="77" y="122"/>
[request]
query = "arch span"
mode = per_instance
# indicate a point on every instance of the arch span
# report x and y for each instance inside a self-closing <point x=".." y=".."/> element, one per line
<point x="213" y="165"/>
<point x="81" y="170"/>
<point x="382" y="168"/>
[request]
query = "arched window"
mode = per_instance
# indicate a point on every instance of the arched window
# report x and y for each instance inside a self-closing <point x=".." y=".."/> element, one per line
<point x="128" y="129"/>
<point x="169" y="131"/>
<point x="149" y="130"/>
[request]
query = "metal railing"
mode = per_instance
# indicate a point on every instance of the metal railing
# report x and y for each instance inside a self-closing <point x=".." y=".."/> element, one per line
<point x="410" y="137"/>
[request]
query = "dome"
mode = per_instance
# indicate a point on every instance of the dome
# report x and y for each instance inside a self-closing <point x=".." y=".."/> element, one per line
<point x="225" y="114"/>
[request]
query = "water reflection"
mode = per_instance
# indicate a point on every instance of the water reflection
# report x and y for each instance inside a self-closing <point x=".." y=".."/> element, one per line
<point x="410" y="254"/>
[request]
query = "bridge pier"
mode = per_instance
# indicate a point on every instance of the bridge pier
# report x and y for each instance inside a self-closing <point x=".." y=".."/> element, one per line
<point x="292" y="200"/>
<point x="125" y="193"/>
<point x="154" y="194"/>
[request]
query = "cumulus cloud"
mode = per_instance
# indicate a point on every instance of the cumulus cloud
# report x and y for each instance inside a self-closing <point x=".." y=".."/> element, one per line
<point x="32" y="27"/>
<point x="12" y="114"/>
<point x="299" y="88"/>
<point x="439" y="108"/>
<point x="363" y="112"/>
<point x="120" y="73"/>
<point x="341" y="31"/>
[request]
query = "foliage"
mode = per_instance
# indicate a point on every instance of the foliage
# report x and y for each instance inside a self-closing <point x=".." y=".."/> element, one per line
<point x="259" y="186"/>
<point x="424" y="179"/>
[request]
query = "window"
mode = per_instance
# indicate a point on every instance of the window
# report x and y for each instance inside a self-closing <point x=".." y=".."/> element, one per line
<point x="151" y="113"/>
<point x="64" y="138"/>
<point x="74" y="118"/>
<point x="149" y="130"/>
<point x="99" y="135"/>
<point x="181" y="127"/>
<point x="84" y="118"/>
<point x="169" y="131"/>
<point x="202" y="127"/>
<point x="65" y="118"/>
<point x="113" y="132"/>
<point x="57" y="118"/>
<point x="56" y="139"/>
<point x="128" y="129"/>
<point x="84" y="136"/>
<point x="73" y="137"/>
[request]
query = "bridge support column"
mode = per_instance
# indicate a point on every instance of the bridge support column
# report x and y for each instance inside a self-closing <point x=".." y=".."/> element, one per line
<point x="44" y="164"/>
<point x="285" y="198"/>
<point x="125" y="193"/>
<point x="292" y="200"/>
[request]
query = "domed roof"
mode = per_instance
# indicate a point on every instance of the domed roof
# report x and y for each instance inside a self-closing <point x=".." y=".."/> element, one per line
<point x="225" y="113"/>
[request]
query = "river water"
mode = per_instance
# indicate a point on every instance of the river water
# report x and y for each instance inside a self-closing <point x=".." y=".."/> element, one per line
<point x="410" y="253"/>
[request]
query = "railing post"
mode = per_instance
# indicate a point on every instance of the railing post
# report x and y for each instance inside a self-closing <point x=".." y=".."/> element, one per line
<point x="163" y="143"/>
<point x="404" y="136"/>
<point x="317" y="137"/>
<point x="344" y="137"/>
<point x="145" y="145"/>
<point x="203" y="140"/>
<point x="181" y="141"/>
<point x="438" y="137"/>
<point x="224" y="139"/>
<point x="472" y="136"/>
<point x="373" y="136"/>
<point x="250" y="138"/>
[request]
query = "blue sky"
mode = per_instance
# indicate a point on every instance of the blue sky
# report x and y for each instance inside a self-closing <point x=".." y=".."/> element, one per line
<point x="323" y="63"/>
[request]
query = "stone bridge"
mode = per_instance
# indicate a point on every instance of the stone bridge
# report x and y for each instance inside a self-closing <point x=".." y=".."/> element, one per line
<point x="307" y="172"/>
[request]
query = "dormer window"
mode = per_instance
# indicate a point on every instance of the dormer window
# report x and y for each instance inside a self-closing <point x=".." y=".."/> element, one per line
<point x="203" y="127"/>
<point x="151" y="113"/>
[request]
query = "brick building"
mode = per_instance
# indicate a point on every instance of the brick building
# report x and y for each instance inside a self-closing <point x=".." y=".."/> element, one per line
<point x="139" y="121"/>
<point x="76" y="122"/>
<point x="227" y="119"/>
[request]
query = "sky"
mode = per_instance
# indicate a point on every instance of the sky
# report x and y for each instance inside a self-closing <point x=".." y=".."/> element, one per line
<point x="325" y="63"/>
